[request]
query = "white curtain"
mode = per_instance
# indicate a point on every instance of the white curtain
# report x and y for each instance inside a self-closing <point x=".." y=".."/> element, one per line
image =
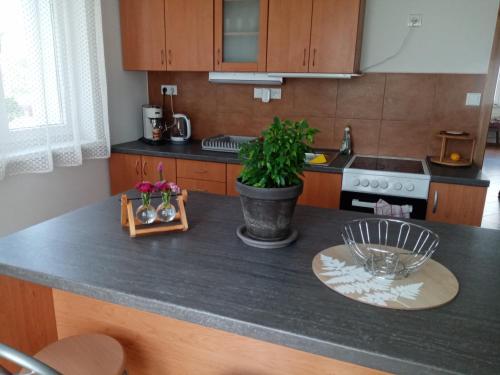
<point x="53" y="98"/>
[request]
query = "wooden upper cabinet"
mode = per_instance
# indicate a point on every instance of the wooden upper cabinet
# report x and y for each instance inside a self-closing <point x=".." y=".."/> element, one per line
<point x="336" y="36"/>
<point x="189" y="35"/>
<point x="241" y="35"/>
<point x="143" y="34"/>
<point x="289" y="35"/>
<point x="456" y="204"/>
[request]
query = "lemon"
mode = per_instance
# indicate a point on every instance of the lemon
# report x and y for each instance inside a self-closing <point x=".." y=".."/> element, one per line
<point x="455" y="156"/>
<point x="320" y="159"/>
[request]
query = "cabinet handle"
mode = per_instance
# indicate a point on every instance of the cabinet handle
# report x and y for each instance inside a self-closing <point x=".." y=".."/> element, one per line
<point x="304" y="61"/>
<point x="436" y="200"/>
<point x="314" y="57"/>
<point x="218" y="56"/>
<point x="199" y="190"/>
<point x="162" y="57"/>
<point x="144" y="169"/>
<point x="169" y="57"/>
<point x="200" y="171"/>
<point x="137" y="171"/>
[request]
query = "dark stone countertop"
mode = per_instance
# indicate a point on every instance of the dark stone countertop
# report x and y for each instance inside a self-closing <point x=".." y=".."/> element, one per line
<point x="208" y="277"/>
<point x="472" y="175"/>
<point x="462" y="176"/>
<point x="193" y="151"/>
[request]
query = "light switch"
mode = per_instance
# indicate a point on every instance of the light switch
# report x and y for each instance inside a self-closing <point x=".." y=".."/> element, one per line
<point x="473" y="99"/>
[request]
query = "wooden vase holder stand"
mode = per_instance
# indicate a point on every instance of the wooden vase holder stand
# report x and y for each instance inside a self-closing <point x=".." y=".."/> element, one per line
<point x="443" y="159"/>
<point x="136" y="228"/>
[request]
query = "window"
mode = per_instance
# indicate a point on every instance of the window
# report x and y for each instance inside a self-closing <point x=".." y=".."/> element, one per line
<point x="53" y="104"/>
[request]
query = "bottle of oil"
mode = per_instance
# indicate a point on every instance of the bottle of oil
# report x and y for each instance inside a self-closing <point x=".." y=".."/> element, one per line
<point x="346" y="146"/>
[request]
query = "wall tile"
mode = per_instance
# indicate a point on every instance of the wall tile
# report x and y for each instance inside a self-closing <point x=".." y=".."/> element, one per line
<point x="414" y="108"/>
<point x="362" y="97"/>
<point x="409" y="97"/>
<point x="365" y="135"/>
<point x="326" y="136"/>
<point x="235" y="98"/>
<point x="404" y="138"/>
<point x="450" y="111"/>
<point x="314" y="97"/>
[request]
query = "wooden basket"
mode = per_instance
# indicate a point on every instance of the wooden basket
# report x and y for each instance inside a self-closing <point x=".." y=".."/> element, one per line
<point x="136" y="228"/>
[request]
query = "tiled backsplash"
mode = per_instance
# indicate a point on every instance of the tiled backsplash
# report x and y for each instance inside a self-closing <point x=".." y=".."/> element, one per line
<point x="390" y="114"/>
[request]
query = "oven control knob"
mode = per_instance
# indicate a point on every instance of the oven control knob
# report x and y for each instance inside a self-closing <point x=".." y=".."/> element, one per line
<point x="365" y="182"/>
<point x="356" y="182"/>
<point x="374" y="184"/>
<point x="398" y="186"/>
<point x="384" y="184"/>
<point x="410" y="187"/>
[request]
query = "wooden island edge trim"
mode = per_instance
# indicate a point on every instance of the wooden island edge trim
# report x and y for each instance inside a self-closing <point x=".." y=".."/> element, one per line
<point x="155" y="343"/>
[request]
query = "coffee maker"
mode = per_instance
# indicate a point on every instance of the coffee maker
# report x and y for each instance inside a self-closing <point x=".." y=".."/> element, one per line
<point x="152" y="122"/>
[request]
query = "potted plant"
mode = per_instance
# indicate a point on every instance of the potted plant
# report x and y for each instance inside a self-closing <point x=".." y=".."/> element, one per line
<point x="270" y="182"/>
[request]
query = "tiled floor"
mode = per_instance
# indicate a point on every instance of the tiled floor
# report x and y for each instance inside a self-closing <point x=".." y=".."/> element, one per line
<point x="491" y="216"/>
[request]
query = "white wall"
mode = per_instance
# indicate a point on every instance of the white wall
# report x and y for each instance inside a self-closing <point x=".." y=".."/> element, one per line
<point x="29" y="199"/>
<point x="127" y="91"/>
<point x="456" y="35"/>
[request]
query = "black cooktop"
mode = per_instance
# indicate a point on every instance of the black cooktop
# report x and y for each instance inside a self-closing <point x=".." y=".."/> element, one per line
<point x="389" y="165"/>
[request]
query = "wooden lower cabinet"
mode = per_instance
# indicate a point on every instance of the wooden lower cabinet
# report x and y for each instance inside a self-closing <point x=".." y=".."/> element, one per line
<point x="125" y="170"/>
<point x="456" y="204"/>
<point x="150" y="169"/>
<point x="156" y="344"/>
<point x="321" y="189"/>
<point x="203" y="186"/>
<point x="27" y="320"/>
<point x="201" y="170"/>
<point x="232" y="173"/>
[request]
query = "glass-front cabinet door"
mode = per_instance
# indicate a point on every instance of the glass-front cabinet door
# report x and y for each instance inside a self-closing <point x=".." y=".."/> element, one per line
<point x="240" y="35"/>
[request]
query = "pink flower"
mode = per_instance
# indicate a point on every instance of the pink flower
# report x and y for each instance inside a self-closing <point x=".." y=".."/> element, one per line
<point x="174" y="188"/>
<point x="165" y="186"/>
<point x="145" y="187"/>
<point x="162" y="186"/>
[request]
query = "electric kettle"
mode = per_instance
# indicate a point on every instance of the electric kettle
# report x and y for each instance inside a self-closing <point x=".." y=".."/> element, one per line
<point x="180" y="130"/>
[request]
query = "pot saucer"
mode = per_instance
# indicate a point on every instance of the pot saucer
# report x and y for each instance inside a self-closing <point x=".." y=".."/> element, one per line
<point x="241" y="232"/>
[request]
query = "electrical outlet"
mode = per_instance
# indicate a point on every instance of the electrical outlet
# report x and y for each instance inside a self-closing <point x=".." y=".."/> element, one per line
<point x="415" y="20"/>
<point x="171" y="89"/>
<point x="266" y="94"/>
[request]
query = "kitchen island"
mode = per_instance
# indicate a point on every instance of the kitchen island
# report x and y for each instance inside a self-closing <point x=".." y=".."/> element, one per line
<point x="99" y="277"/>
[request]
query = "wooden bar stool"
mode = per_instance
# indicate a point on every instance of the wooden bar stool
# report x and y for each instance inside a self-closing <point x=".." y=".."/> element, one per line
<point x="78" y="355"/>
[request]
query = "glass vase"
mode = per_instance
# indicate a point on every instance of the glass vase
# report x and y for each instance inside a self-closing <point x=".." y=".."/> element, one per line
<point x="166" y="211"/>
<point x="146" y="213"/>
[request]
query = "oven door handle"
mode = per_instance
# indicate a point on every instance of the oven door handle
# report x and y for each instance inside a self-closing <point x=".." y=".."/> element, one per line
<point x="436" y="201"/>
<point x="358" y="203"/>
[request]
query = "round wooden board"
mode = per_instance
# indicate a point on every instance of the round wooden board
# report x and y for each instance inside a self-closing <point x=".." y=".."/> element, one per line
<point x="432" y="286"/>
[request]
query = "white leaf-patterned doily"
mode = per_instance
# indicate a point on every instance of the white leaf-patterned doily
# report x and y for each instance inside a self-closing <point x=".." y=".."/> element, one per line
<point x="432" y="286"/>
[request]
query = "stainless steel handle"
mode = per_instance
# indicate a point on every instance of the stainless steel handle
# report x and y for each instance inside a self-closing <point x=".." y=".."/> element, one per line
<point x="23" y="360"/>
<point x="144" y="168"/>
<point x="137" y="171"/>
<point x="162" y="57"/>
<point x="169" y="57"/>
<point x="314" y="57"/>
<point x="436" y="200"/>
<point x="304" y="60"/>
